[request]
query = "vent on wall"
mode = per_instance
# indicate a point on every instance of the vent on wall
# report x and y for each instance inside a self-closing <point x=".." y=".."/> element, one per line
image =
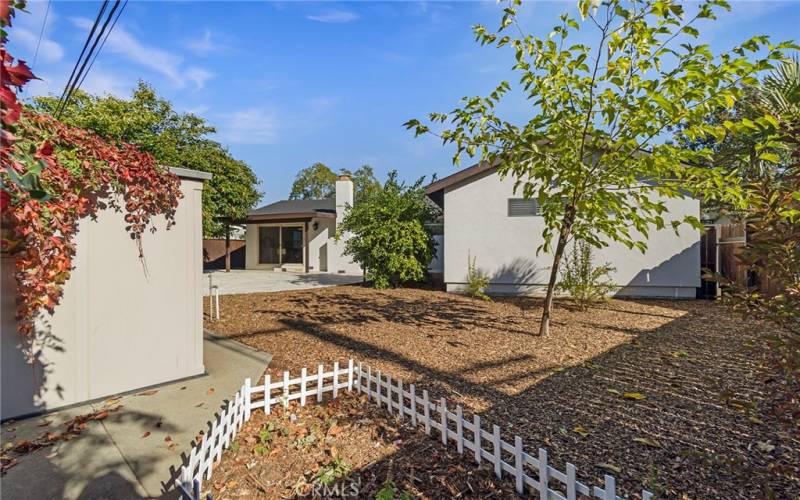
<point x="520" y="207"/>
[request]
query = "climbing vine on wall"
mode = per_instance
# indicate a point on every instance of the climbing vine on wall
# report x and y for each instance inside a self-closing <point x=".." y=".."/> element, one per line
<point x="53" y="176"/>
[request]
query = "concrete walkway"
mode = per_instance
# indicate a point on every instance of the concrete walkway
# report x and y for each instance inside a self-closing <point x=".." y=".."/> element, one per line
<point x="116" y="457"/>
<point x="250" y="281"/>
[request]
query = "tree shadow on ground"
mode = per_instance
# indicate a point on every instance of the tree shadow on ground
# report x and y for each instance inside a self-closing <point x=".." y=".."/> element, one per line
<point x="690" y="434"/>
<point x="81" y="467"/>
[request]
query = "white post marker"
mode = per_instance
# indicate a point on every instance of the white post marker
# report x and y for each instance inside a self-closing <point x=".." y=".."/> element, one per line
<point x="350" y="375"/>
<point x="444" y="420"/>
<point x="286" y="389"/>
<point x="303" y="375"/>
<point x="426" y="411"/>
<point x="520" y="471"/>
<point x="413" y="393"/>
<point x="498" y="451"/>
<point x="335" y="378"/>
<point x="544" y="478"/>
<point x="476" y="425"/>
<point x="320" y="379"/>
<point x="459" y="429"/>
<point x="246" y="394"/>
<point x="267" y="396"/>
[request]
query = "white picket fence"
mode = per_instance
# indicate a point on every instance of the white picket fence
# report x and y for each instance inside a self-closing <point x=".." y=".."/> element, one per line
<point x="530" y="473"/>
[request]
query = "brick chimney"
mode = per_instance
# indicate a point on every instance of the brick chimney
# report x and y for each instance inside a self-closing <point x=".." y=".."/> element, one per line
<point x="344" y="196"/>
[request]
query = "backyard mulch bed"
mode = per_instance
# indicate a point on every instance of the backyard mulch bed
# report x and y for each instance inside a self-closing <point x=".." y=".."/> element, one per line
<point x="664" y="395"/>
<point x="345" y="448"/>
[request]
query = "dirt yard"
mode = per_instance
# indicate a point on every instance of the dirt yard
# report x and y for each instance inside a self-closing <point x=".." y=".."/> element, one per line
<point x="664" y="395"/>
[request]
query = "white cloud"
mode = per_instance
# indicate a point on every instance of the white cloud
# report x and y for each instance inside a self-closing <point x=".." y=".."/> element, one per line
<point x="100" y="82"/>
<point x="334" y="16"/>
<point x="249" y="126"/>
<point x="203" y="45"/>
<point x="198" y="76"/>
<point x="26" y="29"/>
<point x="166" y="63"/>
<point x="49" y="51"/>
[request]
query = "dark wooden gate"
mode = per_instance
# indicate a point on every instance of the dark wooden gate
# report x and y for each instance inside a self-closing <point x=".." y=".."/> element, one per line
<point x="708" y="261"/>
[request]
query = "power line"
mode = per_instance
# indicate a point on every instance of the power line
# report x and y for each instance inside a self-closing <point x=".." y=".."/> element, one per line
<point x="81" y="74"/>
<point x="103" y="43"/>
<point x="41" y="33"/>
<point x="80" y="57"/>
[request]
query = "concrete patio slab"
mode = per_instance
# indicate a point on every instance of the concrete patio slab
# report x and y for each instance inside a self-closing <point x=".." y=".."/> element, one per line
<point x="137" y="451"/>
<point x="251" y="281"/>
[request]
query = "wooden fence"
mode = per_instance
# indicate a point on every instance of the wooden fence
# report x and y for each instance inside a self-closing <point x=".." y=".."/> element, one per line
<point x="531" y="473"/>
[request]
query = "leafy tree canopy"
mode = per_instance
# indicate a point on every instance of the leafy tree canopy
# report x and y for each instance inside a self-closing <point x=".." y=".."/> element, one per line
<point x="386" y="232"/>
<point x="319" y="182"/>
<point x="174" y="139"/>
<point x="590" y="153"/>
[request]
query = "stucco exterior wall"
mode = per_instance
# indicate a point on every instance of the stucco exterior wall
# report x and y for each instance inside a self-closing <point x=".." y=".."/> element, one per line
<point x="505" y="247"/>
<point x="122" y="324"/>
<point x="323" y="254"/>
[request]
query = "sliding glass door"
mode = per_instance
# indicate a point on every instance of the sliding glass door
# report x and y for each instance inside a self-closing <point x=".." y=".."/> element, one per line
<point x="292" y="245"/>
<point x="280" y="245"/>
<point x="269" y="245"/>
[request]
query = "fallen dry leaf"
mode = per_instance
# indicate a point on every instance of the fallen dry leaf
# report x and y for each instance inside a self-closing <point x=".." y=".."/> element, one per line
<point x="168" y="439"/>
<point x="146" y="434"/>
<point x="581" y="430"/>
<point x="210" y="391"/>
<point x="637" y="396"/>
<point x="647" y="442"/>
<point x="611" y="467"/>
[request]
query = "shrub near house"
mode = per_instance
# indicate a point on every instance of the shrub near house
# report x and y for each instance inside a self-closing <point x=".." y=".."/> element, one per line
<point x="387" y="233"/>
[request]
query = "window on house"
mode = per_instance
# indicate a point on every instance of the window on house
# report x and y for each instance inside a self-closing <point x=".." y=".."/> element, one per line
<point x="520" y="207"/>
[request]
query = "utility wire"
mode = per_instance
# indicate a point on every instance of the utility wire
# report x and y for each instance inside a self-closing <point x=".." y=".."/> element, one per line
<point x="83" y="72"/>
<point x="100" y="49"/>
<point x="41" y="33"/>
<point x="80" y="57"/>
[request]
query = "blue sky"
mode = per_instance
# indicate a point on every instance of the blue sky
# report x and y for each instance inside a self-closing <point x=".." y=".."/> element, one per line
<point x="288" y="84"/>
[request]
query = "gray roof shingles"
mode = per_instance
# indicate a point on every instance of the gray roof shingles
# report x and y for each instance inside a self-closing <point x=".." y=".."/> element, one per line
<point x="296" y="206"/>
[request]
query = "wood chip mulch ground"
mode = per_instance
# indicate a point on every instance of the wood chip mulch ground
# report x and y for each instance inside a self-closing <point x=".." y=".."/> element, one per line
<point x="345" y="448"/>
<point x="664" y="395"/>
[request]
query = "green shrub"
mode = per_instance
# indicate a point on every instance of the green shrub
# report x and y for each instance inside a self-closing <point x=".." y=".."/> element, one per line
<point x="477" y="282"/>
<point x="387" y="233"/>
<point x="584" y="282"/>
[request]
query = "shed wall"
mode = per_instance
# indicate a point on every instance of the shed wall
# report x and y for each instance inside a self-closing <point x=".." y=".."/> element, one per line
<point x="123" y="323"/>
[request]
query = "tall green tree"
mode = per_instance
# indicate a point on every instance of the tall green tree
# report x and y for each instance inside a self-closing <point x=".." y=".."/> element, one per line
<point x="174" y="139"/>
<point x="319" y="182"/>
<point x="316" y="182"/>
<point x="364" y="181"/>
<point x="592" y="153"/>
<point x="387" y="233"/>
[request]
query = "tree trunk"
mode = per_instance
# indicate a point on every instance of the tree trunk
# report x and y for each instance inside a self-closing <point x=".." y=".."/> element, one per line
<point x="563" y="235"/>
<point x="227" y="247"/>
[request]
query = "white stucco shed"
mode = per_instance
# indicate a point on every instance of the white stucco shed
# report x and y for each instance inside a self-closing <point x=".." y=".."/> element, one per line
<point x="123" y="323"/>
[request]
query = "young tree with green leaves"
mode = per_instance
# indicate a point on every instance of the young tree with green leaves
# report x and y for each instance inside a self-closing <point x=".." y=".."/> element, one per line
<point x="386" y="233"/>
<point x="174" y="139"/>
<point x="593" y="153"/>
<point x="319" y="182"/>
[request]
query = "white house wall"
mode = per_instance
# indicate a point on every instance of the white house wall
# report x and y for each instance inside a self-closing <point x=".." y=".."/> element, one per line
<point x="122" y="323"/>
<point x="476" y="223"/>
<point x="322" y="248"/>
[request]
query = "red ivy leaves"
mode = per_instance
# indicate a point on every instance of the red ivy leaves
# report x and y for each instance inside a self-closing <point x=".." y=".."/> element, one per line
<point x="43" y="222"/>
